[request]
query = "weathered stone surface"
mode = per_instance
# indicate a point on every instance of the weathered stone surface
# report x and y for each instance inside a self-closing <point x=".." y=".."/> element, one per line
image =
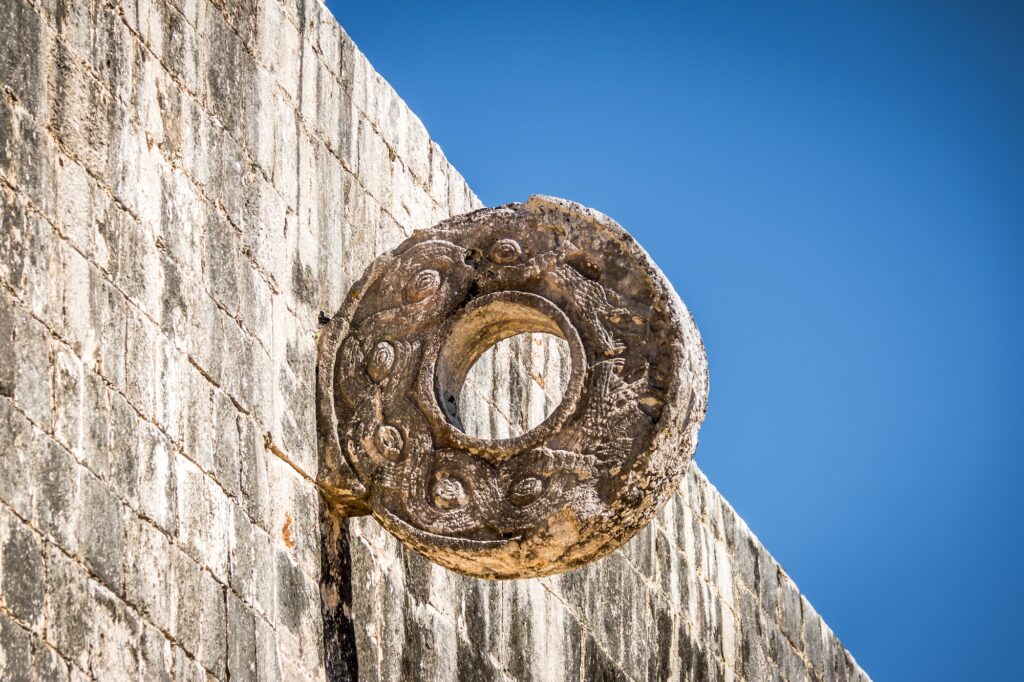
<point x="15" y="650"/>
<point x="21" y="570"/>
<point x="394" y="359"/>
<point x="185" y="187"/>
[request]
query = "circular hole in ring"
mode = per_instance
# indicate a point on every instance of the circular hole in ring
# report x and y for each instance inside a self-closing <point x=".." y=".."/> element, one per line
<point x="501" y="371"/>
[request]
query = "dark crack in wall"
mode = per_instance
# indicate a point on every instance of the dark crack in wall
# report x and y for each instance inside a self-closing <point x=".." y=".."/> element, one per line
<point x="341" y="662"/>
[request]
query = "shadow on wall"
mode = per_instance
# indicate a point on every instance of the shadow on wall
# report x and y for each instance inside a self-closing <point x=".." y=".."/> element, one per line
<point x="340" y="662"/>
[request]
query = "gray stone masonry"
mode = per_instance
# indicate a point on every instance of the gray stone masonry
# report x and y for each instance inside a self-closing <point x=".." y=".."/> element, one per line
<point x="186" y="186"/>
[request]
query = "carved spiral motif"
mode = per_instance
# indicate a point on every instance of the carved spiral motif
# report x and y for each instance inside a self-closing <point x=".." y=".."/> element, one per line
<point x="425" y="283"/>
<point x="506" y="251"/>
<point x="389" y="442"/>
<point x="380" y="362"/>
<point x="580" y="484"/>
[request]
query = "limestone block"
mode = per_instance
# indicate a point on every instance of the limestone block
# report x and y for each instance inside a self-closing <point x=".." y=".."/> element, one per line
<point x="99" y="38"/>
<point x="22" y="443"/>
<point x="374" y="163"/>
<point x="295" y="505"/>
<point x="135" y="261"/>
<point x="182" y="224"/>
<point x="76" y="205"/>
<point x="22" y="53"/>
<point x="414" y="149"/>
<point x="28" y="157"/>
<point x="225" y="467"/>
<point x="27" y="378"/>
<point x="326" y="36"/>
<point x="172" y="380"/>
<point x="241" y="555"/>
<point x="813" y="637"/>
<point x="789" y="610"/>
<point x="57" y="483"/>
<point x="247" y="374"/>
<point x="293" y="388"/>
<point x="299" y="633"/>
<point x="332" y="233"/>
<point x="230" y="78"/>
<point x="325" y="101"/>
<point x="254" y="481"/>
<point x="30" y="260"/>
<point x="21" y="571"/>
<point x="204" y="518"/>
<point x="100" y="531"/>
<point x="155" y="655"/>
<point x="116" y="635"/>
<point x="437" y="182"/>
<point x="241" y="641"/>
<point x="278" y="43"/>
<point x="198" y="613"/>
<point x="286" y="133"/>
<point x="265" y="233"/>
<point x="156" y="482"/>
<point x="264" y="576"/>
<point x="15" y="650"/>
<point x="187" y="668"/>
<point x="70" y="608"/>
<point x="267" y="661"/>
<point x="47" y="664"/>
<point x="143" y="345"/>
<point x="68" y="380"/>
<point x="148" y="576"/>
<point x="460" y="198"/>
<point x="94" y="317"/>
<point x="86" y="435"/>
<point x="119" y="464"/>
<point x="242" y="16"/>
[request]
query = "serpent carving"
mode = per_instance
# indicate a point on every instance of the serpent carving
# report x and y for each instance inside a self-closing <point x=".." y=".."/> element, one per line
<point x="577" y="486"/>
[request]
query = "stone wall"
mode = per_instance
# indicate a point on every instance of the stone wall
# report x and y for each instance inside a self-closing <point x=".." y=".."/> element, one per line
<point x="694" y="597"/>
<point x="188" y="187"/>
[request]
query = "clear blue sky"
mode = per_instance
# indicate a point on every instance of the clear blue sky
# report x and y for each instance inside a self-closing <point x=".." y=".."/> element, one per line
<point x="837" y="192"/>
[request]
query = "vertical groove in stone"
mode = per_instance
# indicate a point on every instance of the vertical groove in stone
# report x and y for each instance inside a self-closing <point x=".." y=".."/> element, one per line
<point x="340" y="661"/>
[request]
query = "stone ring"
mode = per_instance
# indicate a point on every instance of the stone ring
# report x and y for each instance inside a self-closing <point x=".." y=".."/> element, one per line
<point x="393" y="360"/>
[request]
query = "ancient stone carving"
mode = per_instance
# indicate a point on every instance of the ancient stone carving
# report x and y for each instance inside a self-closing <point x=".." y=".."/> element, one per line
<point x="392" y="362"/>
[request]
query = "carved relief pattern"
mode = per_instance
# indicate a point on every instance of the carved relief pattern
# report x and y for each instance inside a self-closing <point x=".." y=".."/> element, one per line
<point x="570" y="490"/>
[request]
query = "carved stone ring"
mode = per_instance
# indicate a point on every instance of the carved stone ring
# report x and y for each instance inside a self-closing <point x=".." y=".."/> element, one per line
<point x="393" y="360"/>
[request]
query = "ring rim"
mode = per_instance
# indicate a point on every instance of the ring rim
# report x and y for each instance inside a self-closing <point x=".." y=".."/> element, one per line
<point x="496" y="450"/>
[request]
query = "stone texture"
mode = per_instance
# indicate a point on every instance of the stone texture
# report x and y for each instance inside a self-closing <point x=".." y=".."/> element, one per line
<point x="394" y="360"/>
<point x="185" y="187"/>
<point x="21" y="570"/>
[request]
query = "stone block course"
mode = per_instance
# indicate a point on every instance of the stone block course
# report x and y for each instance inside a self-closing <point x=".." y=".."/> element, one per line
<point x="155" y="655"/>
<point x="21" y="445"/>
<point x="70" y="608"/>
<point x="21" y="571"/>
<point x="241" y="640"/>
<point x="56" y="484"/>
<point x="31" y="389"/>
<point x="16" y="650"/>
<point x="21" y="53"/>
<point x="115" y="647"/>
<point x="100" y="532"/>
<point x="149" y="585"/>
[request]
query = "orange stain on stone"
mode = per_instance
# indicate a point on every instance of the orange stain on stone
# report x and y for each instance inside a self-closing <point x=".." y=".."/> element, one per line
<point x="286" y="531"/>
